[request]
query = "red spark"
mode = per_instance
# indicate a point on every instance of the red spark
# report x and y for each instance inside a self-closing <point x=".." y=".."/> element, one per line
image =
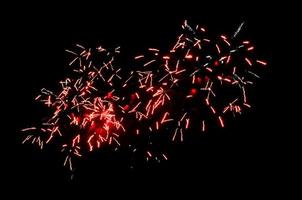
<point x="261" y="62"/>
<point x="248" y="61"/>
<point x="221" y="121"/>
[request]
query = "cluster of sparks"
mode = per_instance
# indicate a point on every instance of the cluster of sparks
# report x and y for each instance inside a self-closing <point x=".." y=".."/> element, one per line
<point x="165" y="95"/>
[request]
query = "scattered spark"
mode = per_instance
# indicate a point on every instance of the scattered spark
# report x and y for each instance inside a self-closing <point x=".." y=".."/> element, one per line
<point x="261" y="62"/>
<point x="238" y="30"/>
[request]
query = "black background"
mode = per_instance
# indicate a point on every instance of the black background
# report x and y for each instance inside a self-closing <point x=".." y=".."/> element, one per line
<point x="238" y="157"/>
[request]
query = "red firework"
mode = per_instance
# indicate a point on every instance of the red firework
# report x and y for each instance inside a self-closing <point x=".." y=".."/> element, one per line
<point x="165" y="95"/>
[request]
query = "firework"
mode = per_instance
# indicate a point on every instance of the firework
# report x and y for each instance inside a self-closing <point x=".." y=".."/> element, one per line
<point x="200" y="80"/>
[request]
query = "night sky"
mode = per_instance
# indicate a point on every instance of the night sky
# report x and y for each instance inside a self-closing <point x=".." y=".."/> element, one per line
<point x="235" y="156"/>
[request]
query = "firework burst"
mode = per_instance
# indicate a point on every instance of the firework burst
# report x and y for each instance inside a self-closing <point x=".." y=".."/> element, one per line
<point x="166" y="95"/>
